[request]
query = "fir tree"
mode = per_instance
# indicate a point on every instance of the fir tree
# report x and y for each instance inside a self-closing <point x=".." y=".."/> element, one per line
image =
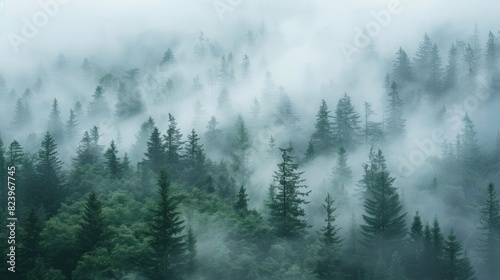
<point x="165" y="232"/>
<point x="423" y="57"/>
<point x="416" y="247"/>
<point x="346" y="128"/>
<point x="155" y="153"/>
<point x="384" y="222"/>
<point x="112" y="161"/>
<point x="323" y="134"/>
<point x="191" y="265"/>
<point x="395" y="122"/>
<point x="310" y="151"/>
<point x="31" y="247"/>
<point x="98" y="108"/>
<point x="491" y="54"/>
<point x="455" y="266"/>
<point x="194" y="159"/>
<point x="433" y="84"/>
<point x="92" y="228"/>
<point x="402" y="73"/>
<point x="286" y="212"/>
<point x="85" y="153"/>
<point x="327" y="263"/>
<point x="490" y="226"/>
<point x="142" y="138"/>
<point x="341" y="176"/>
<point x="55" y="125"/>
<point x="71" y="126"/>
<point x="173" y="146"/>
<point x="168" y="58"/>
<point x="50" y="189"/>
<point x="241" y="204"/>
<point x="22" y="114"/>
<point x="241" y="151"/>
<point x="15" y="155"/>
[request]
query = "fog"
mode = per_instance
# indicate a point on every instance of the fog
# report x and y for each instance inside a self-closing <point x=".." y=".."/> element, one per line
<point x="314" y="50"/>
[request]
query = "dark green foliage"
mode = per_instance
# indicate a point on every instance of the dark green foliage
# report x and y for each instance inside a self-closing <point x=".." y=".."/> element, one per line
<point x="327" y="264"/>
<point x="130" y="101"/>
<point x="346" y="128"/>
<point x="489" y="246"/>
<point x="165" y="232"/>
<point x="93" y="228"/>
<point x="89" y="151"/>
<point x="71" y="126"/>
<point x="384" y="222"/>
<point x="395" y="123"/>
<point x="241" y="204"/>
<point x="142" y="138"/>
<point x="112" y="161"/>
<point x="455" y="264"/>
<point x="191" y="265"/>
<point x="173" y="147"/>
<point x="323" y="134"/>
<point x="31" y="239"/>
<point x="49" y="190"/>
<point x="286" y="212"/>
<point x="194" y="160"/>
<point x="155" y="153"/>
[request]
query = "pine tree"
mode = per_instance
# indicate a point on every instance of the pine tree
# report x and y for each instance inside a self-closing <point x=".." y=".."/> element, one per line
<point x="454" y="265"/>
<point x="490" y="226"/>
<point x="469" y="151"/>
<point x="491" y="54"/>
<point x="71" y="126"/>
<point x="31" y="247"/>
<point x="212" y="134"/>
<point x="165" y="232"/>
<point x="98" y="108"/>
<point x="423" y="58"/>
<point x="286" y="212"/>
<point x="416" y="247"/>
<point x="384" y="223"/>
<point x="92" y="228"/>
<point x="437" y="242"/>
<point x="323" y="135"/>
<point x="50" y="190"/>
<point x="191" y="265"/>
<point x="22" y="114"/>
<point x="433" y="84"/>
<point x="451" y="73"/>
<point x="194" y="159"/>
<point x="55" y="125"/>
<point x="310" y="151"/>
<point x="241" y="204"/>
<point x="155" y="153"/>
<point x="129" y="97"/>
<point x="15" y="155"/>
<point x="142" y="138"/>
<point x="241" y="152"/>
<point x="402" y="73"/>
<point x="173" y="147"/>
<point x="395" y="122"/>
<point x="346" y="128"/>
<point x="341" y="176"/>
<point x="327" y="263"/>
<point x="112" y="161"/>
<point x="168" y="58"/>
<point x="85" y="153"/>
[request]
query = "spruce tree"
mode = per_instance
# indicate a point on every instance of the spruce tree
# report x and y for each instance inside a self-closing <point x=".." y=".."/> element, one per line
<point x="55" y="125"/>
<point x="71" y="126"/>
<point x="395" y="123"/>
<point x="491" y="54"/>
<point x="346" y="128"/>
<point x="22" y="114"/>
<point x="489" y="246"/>
<point x="241" y="204"/>
<point x="98" y="108"/>
<point x="402" y="73"/>
<point x="165" y="233"/>
<point x="92" y="228"/>
<point x="433" y="84"/>
<point x="423" y="58"/>
<point x="85" y="153"/>
<point x="241" y="152"/>
<point x="15" y="155"/>
<point x="31" y="247"/>
<point x="173" y="146"/>
<point x="50" y="190"/>
<point x="142" y="138"/>
<point x="384" y="222"/>
<point x="155" y="153"/>
<point x="327" y="263"/>
<point x="168" y="58"/>
<point x="194" y="159"/>
<point x="286" y="212"/>
<point x="323" y="134"/>
<point x="191" y="265"/>
<point x="112" y="161"/>
<point x="451" y="73"/>
<point x="416" y="248"/>
<point x="341" y="176"/>
<point x="455" y="265"/>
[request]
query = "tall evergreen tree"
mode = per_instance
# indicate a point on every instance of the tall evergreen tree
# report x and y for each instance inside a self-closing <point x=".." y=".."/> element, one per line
<point x="50" y="189"/>
<point x="112" y="161"/>
<point x="286" y="212"/>
<point x="455" y="265"/>
<point x="194" y="160"/>
<point x="85" y="153"/>
<point x="241" y="204"/>
<point x="22" y="114"/>
<point x="98" y="108"/>
<point x="323" y="134"/>
<point x="168" y="58"/>
<point x="31" y="247"/>
<point x="327" y="263"/>
<point x="241" y="151"/>
<point x="416" y="248"/>
<point x="191" y="265"/>
<point x="346" y="128"/>
<point x="402" y="73"/>
<point x="142" y="138"/>
<point x="451" y="73"/>
<point x="165" y="232"/>
<point x="173" y="146"/>
<point x="71" y="126"/>
<point x="155" y="153"/>
<point x="491" y="54"/>
<point x="384" y="222"/>
<point x="489" y="246"/>
<point x="395" y="123"/>
<point x="423" y="58"/>
<point x="15" y="155"/>
<point x="341" y="176"/>
<point x="92" y="228"/>
<point x="433" y="83"/>
<point x="55" y="125"/>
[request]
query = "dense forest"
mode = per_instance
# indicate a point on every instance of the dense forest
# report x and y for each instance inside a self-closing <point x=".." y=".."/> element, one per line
<point x="191" y="157"/>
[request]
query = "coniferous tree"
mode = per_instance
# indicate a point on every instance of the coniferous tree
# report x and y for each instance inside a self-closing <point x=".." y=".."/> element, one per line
<point x="286" y="212"/>
<point x="489" y="246"/>
<point x="491" y="54"/>
<point x="384" y="222"/>
<point x="310" y="151"/>
<point x="22" y="114"/>
<point x="50" y="190"/>
<point x="255" y="110"/>
<point x="323" y="135"/>
<point x="129" y="97"/>
<point x="71" y="126"/>
<point x="55" y="125"/>
<point x="241" y="204"/>
<point x="451" y="74"/>
<point x="168" y="58"/>
<point x="165" y="232"/>
<point x="98" y="108"/>
<point x="423" y="58"/>
<point x="85" y="153"/>
<point x="155" y="153"/>
<point x="191" y="265"/>
<point x="112" y="161"/>
<point x="327" y="263"/>
<point x="15" y="155"/>
<point x="31" y="249"/>
<point x="395" y="123"/>
<point x="142" y="138"/>
<point x="402" y="73"/>
<point x="416" y="248"/>
<point x="173" y="146"/>
<point x="437" y="242"/>
<point x="241" y="152"/>
<point x="285" y="112"/>
<point x="455" y="265"/>
<point x="194" y="159"/>
<point x="433" y="84"/>
<point x="212" y="134"/>
<point x="346" y="128"/>
<point x="92" y="228"/>
<point x="341" y="176"/>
